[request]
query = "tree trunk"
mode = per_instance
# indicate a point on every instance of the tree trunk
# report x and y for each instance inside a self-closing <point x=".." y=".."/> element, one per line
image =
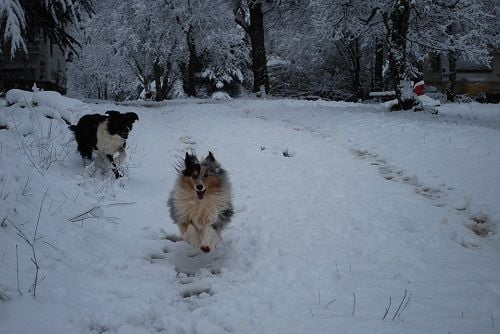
<point x="162" y="79"/>
<point x="379" y="66"/>
<point x="139" y="73"/>
<point x="259" y="61"/>
<point x="158" y="72"/>
<point x="397" y="23"/>
<point x="167" y="80"/>
<point x="356" y="65"/>
<point x="190" y="77"/>
<point x="450" y="90"/>
<point x="102" y="89"/>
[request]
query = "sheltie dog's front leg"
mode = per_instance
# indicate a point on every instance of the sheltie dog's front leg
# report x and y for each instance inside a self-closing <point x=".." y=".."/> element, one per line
<point x="209" y="238"/>
<point x="204" y="237"/>
<point x="190" y="235"/>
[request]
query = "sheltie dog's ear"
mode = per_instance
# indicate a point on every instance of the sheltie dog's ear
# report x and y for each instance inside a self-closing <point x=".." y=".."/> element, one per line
<point x="212" y="164"/>
<point x="188" y="159"/>
<point x="190" y="162"/>
<point x="210" y="157"/>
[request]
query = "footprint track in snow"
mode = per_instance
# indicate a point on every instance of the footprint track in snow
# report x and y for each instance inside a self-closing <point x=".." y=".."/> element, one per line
<point x="479" y="223"/>
<point x="196" y="289"/>
<point x="392" y="173"/>
<point x="194" y="270"/>
<point x="189" y="144"/>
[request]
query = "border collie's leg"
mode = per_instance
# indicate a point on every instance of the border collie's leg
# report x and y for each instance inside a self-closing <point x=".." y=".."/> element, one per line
<point x="122" y="155"/>
<point x="118" y="162"/>
<point x="115" y="169"/>
<point x="101" y="162"/>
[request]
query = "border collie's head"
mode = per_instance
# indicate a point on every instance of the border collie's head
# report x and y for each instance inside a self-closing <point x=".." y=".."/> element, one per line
<point x="121" y="124"/>
<point x="201" y="176"/>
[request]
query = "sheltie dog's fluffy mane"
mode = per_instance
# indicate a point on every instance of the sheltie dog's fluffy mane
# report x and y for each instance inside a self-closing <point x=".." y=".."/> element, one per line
<point x="200" y="203"/>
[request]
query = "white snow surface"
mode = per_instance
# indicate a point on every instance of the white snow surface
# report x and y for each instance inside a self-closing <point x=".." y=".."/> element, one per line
<point x="344" y="213"/>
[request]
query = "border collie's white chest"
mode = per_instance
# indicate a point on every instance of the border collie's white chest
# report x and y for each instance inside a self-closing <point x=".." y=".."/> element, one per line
<point x="106" y="142"/>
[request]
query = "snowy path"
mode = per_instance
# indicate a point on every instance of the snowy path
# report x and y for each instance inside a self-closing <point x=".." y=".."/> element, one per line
<point x="350" y="226"/>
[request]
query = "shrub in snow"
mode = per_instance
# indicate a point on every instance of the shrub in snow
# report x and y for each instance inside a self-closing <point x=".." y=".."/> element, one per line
<point x="39" y="122"/>
<point x="20" y="97"/>
<point x="56" y="105"/>
<point x="221" y="96"/>
<point x="41" y="135"/>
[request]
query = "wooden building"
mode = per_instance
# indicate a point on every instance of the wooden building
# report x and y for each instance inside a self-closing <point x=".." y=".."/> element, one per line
<point x="473" y="79"/>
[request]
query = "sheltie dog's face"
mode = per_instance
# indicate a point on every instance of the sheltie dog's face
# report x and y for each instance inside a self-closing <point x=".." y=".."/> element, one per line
<point x="202" y="177"/>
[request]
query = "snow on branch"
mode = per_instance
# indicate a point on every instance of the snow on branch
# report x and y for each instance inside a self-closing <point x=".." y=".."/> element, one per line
<point x="52" y="17"/>
<point x="13" y="21"/>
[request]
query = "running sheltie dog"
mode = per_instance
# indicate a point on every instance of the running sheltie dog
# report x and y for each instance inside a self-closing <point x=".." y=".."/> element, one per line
<point x="200" y="203"/>
<point x="106" y="135"/>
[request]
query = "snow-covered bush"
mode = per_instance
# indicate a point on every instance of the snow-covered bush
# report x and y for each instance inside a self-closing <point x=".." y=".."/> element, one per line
<point x="20" y="97"/>
<point x="39" y="123"/>
<point x="221" y="96"/>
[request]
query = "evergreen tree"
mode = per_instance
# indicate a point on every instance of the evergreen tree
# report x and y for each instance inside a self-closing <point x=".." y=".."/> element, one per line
<point x="25" y="19"/>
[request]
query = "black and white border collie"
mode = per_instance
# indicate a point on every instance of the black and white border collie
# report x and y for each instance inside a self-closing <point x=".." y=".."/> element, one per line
<point x="106" y="135"/>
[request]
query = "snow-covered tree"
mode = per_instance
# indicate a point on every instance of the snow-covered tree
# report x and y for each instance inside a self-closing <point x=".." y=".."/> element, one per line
<point x="166" y="41"/>
<point x="249" y="14"/>
<point x="100" y="71"/>
<point x="214" y="43"/>
<point x="396" y="18"/>
<point x="299" y="57"/>
<point x="409" y="31"/>
<point x="13" y="25"/>
<point x="126" y="59"/>
<point x="319" y="47"/>
<point x="250" y="17"/>
<point x="463" y="30"/>
<point x="151" y="45"/>
<point x="355" y="30"/>
<point x="25" y="19"/>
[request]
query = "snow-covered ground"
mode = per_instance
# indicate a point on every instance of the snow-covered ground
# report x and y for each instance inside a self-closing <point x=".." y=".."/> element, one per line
<point x="348" y="219"/>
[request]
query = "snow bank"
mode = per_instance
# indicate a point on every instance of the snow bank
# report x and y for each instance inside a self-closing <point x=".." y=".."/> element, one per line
<point x="426" y="101"/>
<point x="38" y="124"/>
<point x="21" y="97"/>
<point x="56" y="105"/>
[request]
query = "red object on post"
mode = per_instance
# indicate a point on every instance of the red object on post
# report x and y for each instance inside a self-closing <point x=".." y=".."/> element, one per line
<point x="419" y="88"/>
